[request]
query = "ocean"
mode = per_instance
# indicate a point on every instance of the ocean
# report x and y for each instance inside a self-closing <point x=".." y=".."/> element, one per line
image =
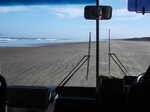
<point x="30" y="42"/>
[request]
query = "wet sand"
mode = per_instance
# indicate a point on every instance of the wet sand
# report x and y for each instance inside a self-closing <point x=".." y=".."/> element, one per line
<point x="48" y="65"/>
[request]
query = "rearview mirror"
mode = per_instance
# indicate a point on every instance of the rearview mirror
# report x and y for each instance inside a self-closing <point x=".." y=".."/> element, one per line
<point x="100" y="12"/>
<point x="140" y="6"/>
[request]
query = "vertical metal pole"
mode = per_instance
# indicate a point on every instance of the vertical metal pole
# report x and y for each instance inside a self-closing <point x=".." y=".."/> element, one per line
<point x="97" y="49"/>
<point x="89" y="56"/>
<point x="109" y="52"/>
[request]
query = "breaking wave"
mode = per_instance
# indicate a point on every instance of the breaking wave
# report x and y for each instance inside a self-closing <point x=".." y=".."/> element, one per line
<point x="15" y="41"/>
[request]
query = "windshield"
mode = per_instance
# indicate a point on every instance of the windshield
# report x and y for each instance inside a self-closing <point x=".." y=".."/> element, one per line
<point x="41" y="44"/>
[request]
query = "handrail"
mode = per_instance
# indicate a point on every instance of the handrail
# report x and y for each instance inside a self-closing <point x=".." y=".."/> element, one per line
<point x="74" y="70"/>
<point x="66" y="79"/>
<point x="118" y="63"/>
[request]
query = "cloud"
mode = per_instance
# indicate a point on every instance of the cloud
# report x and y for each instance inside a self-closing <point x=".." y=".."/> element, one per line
<point x="12" y="9"/>
<point x="68" y="11"/>
<point x="72" y="11"/>
<point x="124" y="14"/>
<point x="7" y="9"/>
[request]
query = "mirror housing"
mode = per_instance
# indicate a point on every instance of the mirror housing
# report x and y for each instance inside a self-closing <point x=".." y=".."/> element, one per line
<point x="100" y="12"/>
<point x="139" y="6"/>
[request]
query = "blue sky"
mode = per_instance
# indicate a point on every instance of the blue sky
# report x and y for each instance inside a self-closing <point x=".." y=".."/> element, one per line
<point x="67" y="21"/>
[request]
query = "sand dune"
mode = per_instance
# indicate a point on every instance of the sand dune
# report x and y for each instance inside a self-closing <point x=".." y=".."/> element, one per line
<point x="48" y="65"/>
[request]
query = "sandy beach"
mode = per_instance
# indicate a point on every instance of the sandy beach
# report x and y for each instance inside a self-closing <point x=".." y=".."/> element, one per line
<point x="48" y="65"/>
